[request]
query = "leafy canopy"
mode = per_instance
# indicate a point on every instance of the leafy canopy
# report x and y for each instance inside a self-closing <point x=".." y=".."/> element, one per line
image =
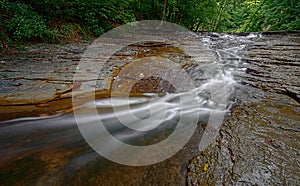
<point x="59" y="20"/>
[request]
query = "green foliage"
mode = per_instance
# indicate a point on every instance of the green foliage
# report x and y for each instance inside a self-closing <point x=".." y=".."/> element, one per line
<point x="269" y="15"/>
<point x="63" y="20"/>
<point x="26" y="24"/>
<point x="60" y="20"/>
<point x="281" y="15"/>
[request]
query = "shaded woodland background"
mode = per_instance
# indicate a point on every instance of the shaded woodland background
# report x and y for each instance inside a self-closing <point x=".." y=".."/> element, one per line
<point x="55" y="21"/>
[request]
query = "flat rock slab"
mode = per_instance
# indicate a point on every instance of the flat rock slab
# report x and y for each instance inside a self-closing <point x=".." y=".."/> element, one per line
<point x="44" y="73"/>
<point x="39" y="74"/>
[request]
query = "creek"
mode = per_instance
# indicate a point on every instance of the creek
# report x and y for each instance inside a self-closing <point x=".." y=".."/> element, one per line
<point x="257" y="77"/>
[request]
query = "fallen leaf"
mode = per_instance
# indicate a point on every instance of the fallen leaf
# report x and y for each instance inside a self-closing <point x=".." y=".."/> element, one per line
<point x="205" y="168"/>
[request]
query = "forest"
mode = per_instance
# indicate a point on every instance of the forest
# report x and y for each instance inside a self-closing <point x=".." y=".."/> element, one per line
<point x="56" y="21"/>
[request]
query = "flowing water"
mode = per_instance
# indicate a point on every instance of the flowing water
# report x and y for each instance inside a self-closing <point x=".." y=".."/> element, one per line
<point x="52" y="151"/>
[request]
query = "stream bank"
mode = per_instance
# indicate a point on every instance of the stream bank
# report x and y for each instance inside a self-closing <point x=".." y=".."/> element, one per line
<point x="257" y="145"/>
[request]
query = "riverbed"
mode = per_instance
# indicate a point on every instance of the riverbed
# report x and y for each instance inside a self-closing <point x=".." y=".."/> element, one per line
<point x="258" y="140"/>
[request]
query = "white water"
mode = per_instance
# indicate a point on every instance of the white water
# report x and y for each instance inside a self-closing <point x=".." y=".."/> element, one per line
<point x="130" y="119"/>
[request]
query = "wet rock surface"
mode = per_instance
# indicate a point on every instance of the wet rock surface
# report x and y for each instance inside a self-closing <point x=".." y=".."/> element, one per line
<point x="39" y="73"/>
<point x="269" y="61"/>
<point x="274" y="64"/>
<point x="45" y="73"/>
<point x="258" y="144"/>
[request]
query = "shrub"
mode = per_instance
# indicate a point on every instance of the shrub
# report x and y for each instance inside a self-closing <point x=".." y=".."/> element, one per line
<point x="26" y="24"/>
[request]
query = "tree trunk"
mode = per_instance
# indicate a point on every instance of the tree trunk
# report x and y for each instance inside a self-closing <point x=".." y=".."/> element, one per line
<point x="165" y="10"/>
